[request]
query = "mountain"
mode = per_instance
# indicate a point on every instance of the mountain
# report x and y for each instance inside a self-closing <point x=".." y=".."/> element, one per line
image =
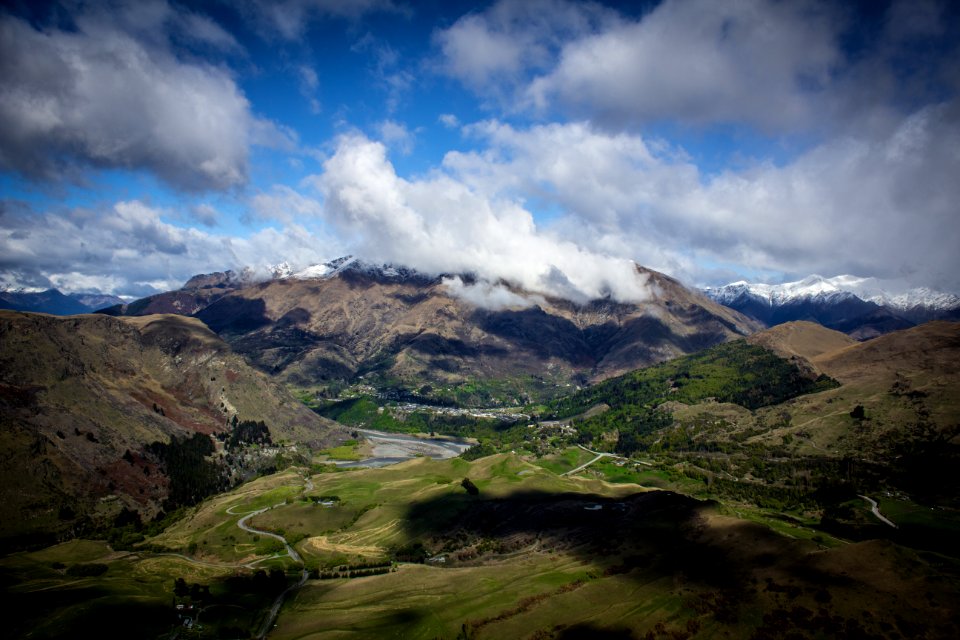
<point x="56" y="303"/>
<point x="799" y="418"/>
<point x="198" y="292"/>
<point x="860" y="307"/>
<point x="348" y="322"/>
<point x="103" y="416"/>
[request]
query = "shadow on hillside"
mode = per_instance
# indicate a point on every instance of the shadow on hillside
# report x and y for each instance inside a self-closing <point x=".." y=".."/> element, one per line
<point x="658" y="531"/>
<point x="726" y="570"/>
<point x="235" y="315"/>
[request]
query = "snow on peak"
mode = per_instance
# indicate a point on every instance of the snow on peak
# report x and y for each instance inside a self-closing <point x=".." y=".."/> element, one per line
<point x="885" y="293"/>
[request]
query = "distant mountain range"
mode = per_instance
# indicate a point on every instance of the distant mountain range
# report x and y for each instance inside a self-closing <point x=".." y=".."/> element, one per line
<point x="56" y="303"/>
<point x="860" y="307"/>
<point x="347" y="320"/>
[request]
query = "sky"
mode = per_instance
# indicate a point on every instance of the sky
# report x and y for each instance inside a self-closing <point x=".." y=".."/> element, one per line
<point x="546" y="144"/>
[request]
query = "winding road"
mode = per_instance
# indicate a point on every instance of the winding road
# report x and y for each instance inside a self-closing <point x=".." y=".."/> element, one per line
<point x="875" y="509"/>
<point x="290" y="551"/>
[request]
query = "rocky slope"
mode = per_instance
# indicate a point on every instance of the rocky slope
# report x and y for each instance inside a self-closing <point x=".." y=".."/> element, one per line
<point x="89" y="406"/>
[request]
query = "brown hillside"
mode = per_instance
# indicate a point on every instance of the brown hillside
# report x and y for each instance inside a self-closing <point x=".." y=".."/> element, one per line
<point x="801" y="341"/>
<point x="411" y="330"/>
<point x="77" y="393"/>
<point x="930" y="347"/>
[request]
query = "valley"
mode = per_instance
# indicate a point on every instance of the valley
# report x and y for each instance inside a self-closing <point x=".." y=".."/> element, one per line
<point x="793" y="479"/>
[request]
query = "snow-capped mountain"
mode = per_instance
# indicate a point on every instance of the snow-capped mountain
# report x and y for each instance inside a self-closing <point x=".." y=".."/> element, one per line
<point x="341" y="265"/>
<point x="863" y="307"/>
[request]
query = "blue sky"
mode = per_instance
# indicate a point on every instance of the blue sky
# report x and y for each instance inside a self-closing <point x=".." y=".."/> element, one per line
<point x="546" y="143"/>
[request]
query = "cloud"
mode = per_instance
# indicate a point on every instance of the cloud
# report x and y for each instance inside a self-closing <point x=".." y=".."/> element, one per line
<point x="493" y="51"/>
<point x="290" y="19"/>
<point x="776" y="66"/>
<point x="309" y="83"/>
<point x="397" y="136"/>
<point x="440" y="225"/>
<point x="205" y="214"/>
<point x="112" y="94"/>
<point x="699" y="61"/>
<point x="129" y="249"/>
<point x="881" y="204"/>
<point x="449" y="120"/>
<point x="489" y="296"/>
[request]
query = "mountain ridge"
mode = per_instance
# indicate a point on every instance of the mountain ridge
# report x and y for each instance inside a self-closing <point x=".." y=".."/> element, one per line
<point x="352" y="320"/>
<point x="860" y="307"/>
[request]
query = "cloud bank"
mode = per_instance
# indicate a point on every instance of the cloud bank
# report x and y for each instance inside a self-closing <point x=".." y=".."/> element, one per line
<point x="128" y="249"/>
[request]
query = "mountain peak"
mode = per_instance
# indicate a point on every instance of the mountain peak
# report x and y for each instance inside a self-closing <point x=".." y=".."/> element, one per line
<point x="863" y="307"/>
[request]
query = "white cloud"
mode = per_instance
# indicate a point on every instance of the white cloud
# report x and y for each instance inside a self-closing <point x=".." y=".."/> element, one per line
<point x="449" y="120"/>
<point x="701" y="61"/>
<point x="205" y="214"/>
<point x="129" y="249"/>
<point x="309" y="83"/>
<point x="289" y="19"/>
<point x="107" y="95"/>
<point x="397" y="136"/>
<point x="489" y="296"/>
<point x="492" y="51"/>
<point x="880" y="205"/>
<point x="438" y="224"/>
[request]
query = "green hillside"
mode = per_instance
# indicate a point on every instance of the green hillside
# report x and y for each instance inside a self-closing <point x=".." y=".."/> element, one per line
<point x="735" y="372"/>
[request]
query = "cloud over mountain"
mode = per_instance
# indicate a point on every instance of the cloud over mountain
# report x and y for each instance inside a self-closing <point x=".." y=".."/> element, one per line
<point x="438" y="224"/>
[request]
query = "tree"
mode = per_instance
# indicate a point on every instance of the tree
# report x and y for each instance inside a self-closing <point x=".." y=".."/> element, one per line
<point x="471" y="488"/>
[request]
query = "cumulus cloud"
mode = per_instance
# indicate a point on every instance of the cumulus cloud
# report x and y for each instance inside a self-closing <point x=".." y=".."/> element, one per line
<point x="396" y="135"/>
<point x="449" y="120"/>
<point x="112" y="93"/>
<point x="757" y="61"/>
<point x="129" y="249"/>
<point x="489" y="296"/>
<point x="440" y="225"/>
<point x="492" y="51"/>
<point x="777" y="66"/>
<point x="881" y="204"/>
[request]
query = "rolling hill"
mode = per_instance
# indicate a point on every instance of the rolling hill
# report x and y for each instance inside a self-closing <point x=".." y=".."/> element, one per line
<point x="102" y="416"/>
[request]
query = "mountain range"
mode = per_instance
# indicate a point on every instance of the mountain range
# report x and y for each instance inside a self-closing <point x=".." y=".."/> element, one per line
<point x="861" y="307"/>
<point x="349" y="321"/>
<point x="54" y="302"/>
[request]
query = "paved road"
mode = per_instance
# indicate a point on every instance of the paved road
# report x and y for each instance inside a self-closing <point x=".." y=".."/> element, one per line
<point x="599" y="455"/>
<point x="876" y="511"/>
<point x="242" y="523"/>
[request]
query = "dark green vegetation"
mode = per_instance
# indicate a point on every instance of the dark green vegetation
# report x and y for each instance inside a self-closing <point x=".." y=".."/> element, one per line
<point x="735" y="372"/>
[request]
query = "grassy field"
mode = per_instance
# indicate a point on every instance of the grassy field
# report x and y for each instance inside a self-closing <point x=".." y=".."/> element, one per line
<point x="532" y="554"/>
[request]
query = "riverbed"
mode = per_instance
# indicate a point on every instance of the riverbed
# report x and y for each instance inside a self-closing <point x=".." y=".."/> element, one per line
<point x="391" y="448"/>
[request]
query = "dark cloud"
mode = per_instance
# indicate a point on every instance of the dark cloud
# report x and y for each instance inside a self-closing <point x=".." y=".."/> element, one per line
<point x="111" y="92"/>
